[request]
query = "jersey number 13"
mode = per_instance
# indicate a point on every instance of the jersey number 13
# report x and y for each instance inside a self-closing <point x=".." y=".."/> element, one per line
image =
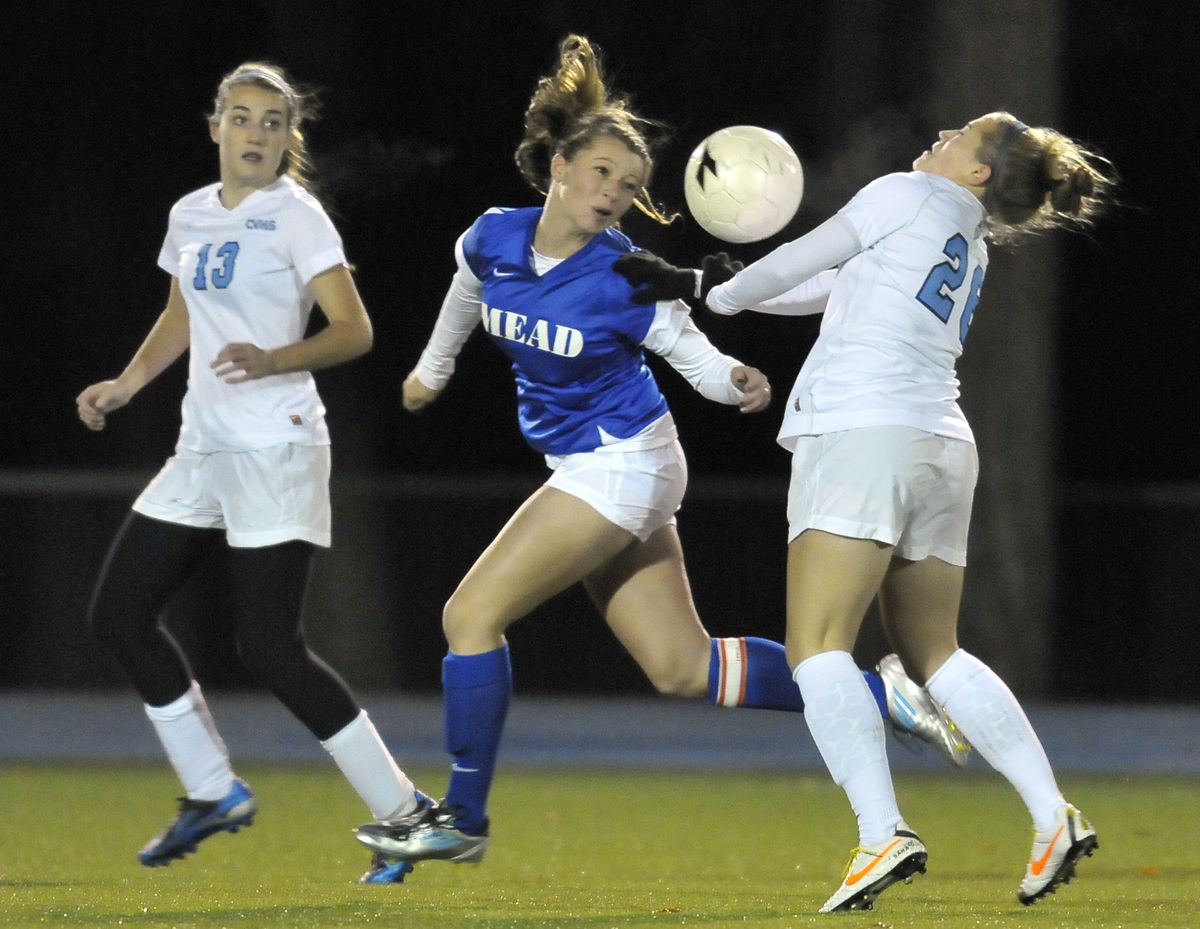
<point x="222" y="274"/>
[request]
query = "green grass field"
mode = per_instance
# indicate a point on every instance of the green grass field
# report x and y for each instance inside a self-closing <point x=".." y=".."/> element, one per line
<point x="582" y="849"/>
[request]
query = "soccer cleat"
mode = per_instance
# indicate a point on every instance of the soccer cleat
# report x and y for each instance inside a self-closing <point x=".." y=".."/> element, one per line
<point x="426" y="834"/>
<point x="913" y="712"/>
<point x="1055" y="853"/>
<point x="197" y="820"/>
<point x="385" y="871"/>
<point x="875" y="868"/>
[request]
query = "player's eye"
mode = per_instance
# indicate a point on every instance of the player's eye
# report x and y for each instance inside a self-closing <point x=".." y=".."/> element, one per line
<point x="272" y="124"/>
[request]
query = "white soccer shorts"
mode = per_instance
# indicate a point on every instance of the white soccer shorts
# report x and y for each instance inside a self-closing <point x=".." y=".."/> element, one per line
<point x="640" y="491"/>
<point x="898" y="485"/>
<point x="261" y="497"/>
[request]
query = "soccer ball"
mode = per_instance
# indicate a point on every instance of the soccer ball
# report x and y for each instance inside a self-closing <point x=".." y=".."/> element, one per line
<point x="743" y="183"/>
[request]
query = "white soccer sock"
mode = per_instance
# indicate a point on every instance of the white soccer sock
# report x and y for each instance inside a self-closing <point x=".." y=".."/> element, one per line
<point x="193" y="745"/>
<point x="845" y="723"/>
<point x="368" y="766"/>
<point x="988" y="714"/>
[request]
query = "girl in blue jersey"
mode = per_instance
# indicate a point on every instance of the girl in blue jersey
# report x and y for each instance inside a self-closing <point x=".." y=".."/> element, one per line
<point x="541" y="281"/>
<point x="249" y="480"/>
<point x="884" y="465"/>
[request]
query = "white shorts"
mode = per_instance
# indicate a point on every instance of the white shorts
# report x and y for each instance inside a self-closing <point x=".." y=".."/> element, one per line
<point x="262" y="497"/>
<point x="895" y="484"/>
<point x="640" y="491"/>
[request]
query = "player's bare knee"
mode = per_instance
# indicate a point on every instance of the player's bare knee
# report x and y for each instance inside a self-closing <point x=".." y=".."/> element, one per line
<point x="469" y="621"/>
<point x="674" y="679"/>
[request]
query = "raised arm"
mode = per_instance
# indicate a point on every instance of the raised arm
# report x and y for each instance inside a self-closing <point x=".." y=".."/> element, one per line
<point x="167" y="339"/>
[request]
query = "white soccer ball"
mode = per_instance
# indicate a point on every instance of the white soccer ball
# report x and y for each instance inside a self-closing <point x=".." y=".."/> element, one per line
<point x="743" y="183"/>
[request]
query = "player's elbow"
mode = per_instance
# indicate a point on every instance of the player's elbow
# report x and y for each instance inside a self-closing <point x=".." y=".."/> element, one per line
<point x="358" y="338"/>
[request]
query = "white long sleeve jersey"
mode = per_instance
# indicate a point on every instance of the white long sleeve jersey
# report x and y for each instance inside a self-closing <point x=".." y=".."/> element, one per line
<point x="911" y="260"/>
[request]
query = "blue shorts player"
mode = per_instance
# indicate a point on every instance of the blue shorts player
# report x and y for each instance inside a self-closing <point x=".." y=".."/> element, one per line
<point x="541" y="282"/>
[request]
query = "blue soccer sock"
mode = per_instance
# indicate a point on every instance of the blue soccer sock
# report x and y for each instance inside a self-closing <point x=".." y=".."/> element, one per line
<point x="477" y="691"/>
<point x="754" y="673"/>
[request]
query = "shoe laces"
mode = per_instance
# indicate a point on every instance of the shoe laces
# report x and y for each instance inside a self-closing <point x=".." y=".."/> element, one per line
<point x="855" y="852"/>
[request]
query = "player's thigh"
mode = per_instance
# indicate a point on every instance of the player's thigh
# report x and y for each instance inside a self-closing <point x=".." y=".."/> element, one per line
<point x="918" y="604"/>
<point x="553" y="541"/>
<point x="644" y="595"/>
<point x="830" y="584"/>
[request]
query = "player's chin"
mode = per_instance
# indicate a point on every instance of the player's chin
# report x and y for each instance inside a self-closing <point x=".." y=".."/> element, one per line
<point x="601" y="220"/>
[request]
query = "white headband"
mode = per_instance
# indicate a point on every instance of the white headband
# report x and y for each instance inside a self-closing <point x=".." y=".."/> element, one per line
<point x="248" y="74"/>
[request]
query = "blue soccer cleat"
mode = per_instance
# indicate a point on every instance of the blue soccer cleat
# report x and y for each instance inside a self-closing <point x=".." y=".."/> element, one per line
<point x="197" y="820"/>
<point x="386" y="871"/>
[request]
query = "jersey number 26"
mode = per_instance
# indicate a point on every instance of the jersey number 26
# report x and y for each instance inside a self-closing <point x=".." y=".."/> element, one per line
<point x="944" y="278"/>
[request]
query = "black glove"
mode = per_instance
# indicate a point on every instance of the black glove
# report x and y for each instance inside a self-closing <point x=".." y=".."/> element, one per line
<point x="654" y="279"/>
<point x="716" y="269"/>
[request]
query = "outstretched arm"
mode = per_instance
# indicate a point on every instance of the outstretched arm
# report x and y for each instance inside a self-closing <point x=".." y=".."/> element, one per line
<point x="805" y="299"/>
<point x="793" y="263"/>
<point x="166" y="341"/>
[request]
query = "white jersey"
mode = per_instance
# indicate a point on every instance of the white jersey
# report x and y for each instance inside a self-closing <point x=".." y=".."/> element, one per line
<point x="897" y="314"/>
<point x="245" y="275"/>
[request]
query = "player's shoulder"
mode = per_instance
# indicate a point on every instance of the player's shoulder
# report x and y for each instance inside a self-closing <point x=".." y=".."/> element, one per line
<point x="506" y="217"/>
<point x="906" y="184"/>
<point x="289" y="194"/>
<point x="614" y="240"/>
<point x="201" y="198"/>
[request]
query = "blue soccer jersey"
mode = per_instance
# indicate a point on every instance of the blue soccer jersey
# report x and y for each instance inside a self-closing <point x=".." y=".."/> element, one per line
<point x="574" y="334"/>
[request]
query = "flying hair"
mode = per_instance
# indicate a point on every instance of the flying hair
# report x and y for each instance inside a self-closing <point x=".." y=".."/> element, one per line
<point x="573" y="107"/>
<point x="1040" y="180"/>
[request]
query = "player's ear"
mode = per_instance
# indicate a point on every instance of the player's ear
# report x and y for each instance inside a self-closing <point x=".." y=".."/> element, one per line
<point x="980" y="174"/>
<point x="558" y="167"/>
<point x="213" y="126"/>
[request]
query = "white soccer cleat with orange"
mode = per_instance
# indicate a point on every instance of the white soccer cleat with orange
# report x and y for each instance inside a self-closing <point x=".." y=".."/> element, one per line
<point x="875" y="868"/>
<point x="1055" y="853"/>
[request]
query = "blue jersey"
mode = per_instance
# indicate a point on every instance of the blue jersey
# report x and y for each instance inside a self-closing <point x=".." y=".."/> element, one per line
<point x="574" y="334"/>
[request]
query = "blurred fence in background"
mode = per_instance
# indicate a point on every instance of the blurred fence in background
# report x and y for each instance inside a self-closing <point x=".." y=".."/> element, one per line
<point x="1122" y="625"/>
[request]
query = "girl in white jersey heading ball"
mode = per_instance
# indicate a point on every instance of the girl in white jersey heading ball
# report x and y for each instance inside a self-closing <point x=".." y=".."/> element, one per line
<point x="884" y="463"/>
<point x="248" y="257"/>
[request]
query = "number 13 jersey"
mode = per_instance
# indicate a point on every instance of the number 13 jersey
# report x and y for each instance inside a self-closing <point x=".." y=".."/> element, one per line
<point x="246" y="276"/>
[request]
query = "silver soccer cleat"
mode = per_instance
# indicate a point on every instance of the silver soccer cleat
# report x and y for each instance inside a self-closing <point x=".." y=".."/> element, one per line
<point x="427" y="834"/>
<point x="913" y="712"/>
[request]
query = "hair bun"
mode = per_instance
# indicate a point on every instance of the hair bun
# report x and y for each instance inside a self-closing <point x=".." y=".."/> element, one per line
<point x="1069" y="188"/>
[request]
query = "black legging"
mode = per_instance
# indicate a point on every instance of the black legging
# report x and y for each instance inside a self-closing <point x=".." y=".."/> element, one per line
<point x="151" y="559"/>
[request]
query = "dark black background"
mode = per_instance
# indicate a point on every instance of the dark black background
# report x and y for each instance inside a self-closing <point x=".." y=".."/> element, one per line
<point x="422" y="109"/>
